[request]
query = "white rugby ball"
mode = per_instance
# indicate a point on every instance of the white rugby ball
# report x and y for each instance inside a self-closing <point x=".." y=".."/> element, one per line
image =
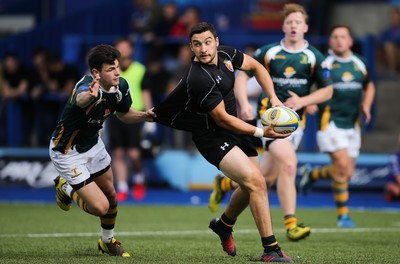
<point x="287" y="120"/>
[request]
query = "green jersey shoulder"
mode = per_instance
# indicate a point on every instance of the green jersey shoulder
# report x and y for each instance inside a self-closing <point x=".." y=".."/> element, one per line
<point x="79" y="127"/>
<point x="350" y="77"/>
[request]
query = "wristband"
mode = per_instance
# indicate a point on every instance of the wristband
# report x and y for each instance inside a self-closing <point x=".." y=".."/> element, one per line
<point x="259" y="132"/>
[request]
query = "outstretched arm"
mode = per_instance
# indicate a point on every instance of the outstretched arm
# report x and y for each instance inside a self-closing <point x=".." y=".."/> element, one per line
<point x="133" y="116"/>
<point x="227" y="121"/>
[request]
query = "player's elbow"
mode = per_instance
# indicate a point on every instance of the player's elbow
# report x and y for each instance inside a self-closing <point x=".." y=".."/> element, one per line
<point x="328" y="92"/>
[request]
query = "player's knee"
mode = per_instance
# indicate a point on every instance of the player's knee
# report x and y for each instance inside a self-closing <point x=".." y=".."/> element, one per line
<point x="111" y="195"/>
<point x="289" y="168"/>
<point x="341" y="172"/>
<point x="100" y="208"/>
<point x="255" y="182"/>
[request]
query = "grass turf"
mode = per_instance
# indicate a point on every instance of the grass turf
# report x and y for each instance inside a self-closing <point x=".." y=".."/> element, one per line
<point x="34" y="233"/>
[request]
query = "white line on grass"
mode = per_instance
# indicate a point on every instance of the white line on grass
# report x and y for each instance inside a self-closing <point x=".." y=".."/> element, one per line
<point x="198" y="232"/>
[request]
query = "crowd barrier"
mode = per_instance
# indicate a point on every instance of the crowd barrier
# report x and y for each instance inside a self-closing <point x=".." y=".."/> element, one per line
<point x="179" y="169"/>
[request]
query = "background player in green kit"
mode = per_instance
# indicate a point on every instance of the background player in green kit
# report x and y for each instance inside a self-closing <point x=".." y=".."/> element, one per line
<point x="294" y="66"/>
<point x="339" y="120"/>
<point x="77" y="151"/>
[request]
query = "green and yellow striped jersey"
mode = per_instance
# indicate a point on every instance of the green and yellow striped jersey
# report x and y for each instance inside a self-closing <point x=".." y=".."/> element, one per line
<point x="350" y="77"/>
<point x="292" y="70"/>
<point x="78" y="128"/>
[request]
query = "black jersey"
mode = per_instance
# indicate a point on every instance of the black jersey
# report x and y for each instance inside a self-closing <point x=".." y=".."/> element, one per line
<point x="202" y="88"/>
<point x="79" y="127"/>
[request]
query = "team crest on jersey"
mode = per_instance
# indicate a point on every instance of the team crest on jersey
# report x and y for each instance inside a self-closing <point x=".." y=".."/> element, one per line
<point x="289" y="72"/>
<point x="347" y="77"/>
<point x="304" y="59"/>
<point x="228" y="64"/>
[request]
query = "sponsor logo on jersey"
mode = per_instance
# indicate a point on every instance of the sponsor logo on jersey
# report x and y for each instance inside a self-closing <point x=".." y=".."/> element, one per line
<point x="289" y="72"/>
<point x="281" y="57"/>
<point x="228" y="65"/>
<point x="224" y="146"/>
<point x="107" y="112"/>
<point x="347" y="77"/>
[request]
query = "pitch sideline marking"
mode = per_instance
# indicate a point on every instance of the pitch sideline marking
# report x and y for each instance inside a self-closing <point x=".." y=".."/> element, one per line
<point x="197" y="232"/>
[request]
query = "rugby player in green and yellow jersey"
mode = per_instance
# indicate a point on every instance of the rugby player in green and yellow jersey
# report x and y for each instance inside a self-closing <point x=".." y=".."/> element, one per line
<point x="339" y="120"/>
<point x="77" y="151"/>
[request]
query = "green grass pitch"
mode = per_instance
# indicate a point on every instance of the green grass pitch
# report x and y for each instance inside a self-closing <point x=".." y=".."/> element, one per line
<point x="42" y="233"/>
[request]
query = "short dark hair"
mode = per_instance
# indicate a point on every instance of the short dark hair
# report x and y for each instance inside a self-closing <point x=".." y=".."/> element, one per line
<point x="102" y="54"/>
<point x="341" y="26"/>
<point x="202" y="27"/>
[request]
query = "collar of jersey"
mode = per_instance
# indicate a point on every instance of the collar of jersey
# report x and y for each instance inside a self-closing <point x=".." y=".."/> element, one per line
<point x="347" y="59"/>
<point x="295" y="51"/>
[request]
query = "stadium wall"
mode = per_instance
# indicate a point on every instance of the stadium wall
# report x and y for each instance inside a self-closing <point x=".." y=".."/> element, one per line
<point x="179" y="169"/>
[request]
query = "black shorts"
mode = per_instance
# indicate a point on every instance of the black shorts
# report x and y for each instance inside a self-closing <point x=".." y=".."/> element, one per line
<point x="123" y="135"/>
<point x="214" y="145"/>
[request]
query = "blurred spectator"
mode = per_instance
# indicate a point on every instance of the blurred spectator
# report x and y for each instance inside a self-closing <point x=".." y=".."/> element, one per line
<point x="179" y="139"/>
<point x="392" y="188"/>
<point x="155" y="80"/>
<point x="390" y="40"/>
<point x="168" y="19"/>
<point x="13" y="90"/>
<point x="163" y="29"/>
<point x="15" y="78"/>
<point x="62" y="76"/>
<point x="124" y="139"/>
<point x="54" y="81"/>
<point x="144" y="19"/>
<point x="2" y="117"/>
<point x="40" y="74"/>
<point x="189" y="18"/>
<point x="179" y="66"/>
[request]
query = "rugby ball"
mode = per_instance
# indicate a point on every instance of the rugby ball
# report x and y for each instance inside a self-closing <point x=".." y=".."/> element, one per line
<point x="287" y="120"/>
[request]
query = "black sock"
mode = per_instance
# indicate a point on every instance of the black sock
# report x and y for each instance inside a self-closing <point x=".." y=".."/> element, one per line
<point x="269" y="243"/>
<point x="225" y="223"/>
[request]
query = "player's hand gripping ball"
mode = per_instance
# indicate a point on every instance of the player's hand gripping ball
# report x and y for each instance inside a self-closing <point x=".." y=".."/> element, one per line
<point x="287" y="120"/>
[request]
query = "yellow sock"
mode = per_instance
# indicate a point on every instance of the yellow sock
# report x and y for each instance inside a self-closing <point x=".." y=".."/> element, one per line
<point x="107" y="223"/>
<point x="81" y="203"/>
<point x="324" y="172"/>
<point x="341" y="196"/>
<point x="108" y="220"/>
<point x="226" y="184"/>
<point x="290" y="221"/>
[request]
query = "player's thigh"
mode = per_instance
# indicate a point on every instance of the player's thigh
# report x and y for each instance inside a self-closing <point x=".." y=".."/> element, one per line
<point x="282" y="152"/>
<point x="105" y="182"/>
<point x="341" y="161"/>
<point x="240" y="168"/>
<point x="268" y="170"/>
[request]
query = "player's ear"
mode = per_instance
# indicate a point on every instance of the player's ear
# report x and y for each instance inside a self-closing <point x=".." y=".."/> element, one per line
<point x="95" y="73"/>
<point x="306" y="28"/>
<point x="351" y="42"/>
<point x="217" y="41"/>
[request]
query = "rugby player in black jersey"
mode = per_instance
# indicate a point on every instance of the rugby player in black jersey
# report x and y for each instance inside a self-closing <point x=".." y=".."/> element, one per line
<point x="204" y="103"/>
